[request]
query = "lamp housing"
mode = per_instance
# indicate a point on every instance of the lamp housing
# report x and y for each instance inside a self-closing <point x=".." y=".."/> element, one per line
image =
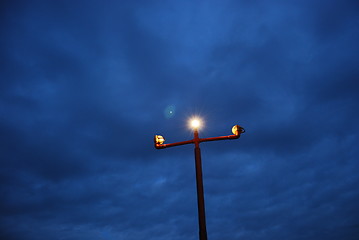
<point x="237" y="130"/>
<point x="159" y="139"/>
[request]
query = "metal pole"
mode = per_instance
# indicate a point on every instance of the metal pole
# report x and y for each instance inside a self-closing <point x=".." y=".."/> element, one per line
<point x="159" y="144"/>
<point x="200" y="192"/>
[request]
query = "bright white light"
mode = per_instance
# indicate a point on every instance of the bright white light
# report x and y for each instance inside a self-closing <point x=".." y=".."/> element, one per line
<point x="195" y="123"/>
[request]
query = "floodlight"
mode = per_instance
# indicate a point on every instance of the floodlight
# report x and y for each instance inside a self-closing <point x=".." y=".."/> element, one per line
<point x="159" y="139"/>
<point x="195" y="123"/>
<point x="237" y="130"/>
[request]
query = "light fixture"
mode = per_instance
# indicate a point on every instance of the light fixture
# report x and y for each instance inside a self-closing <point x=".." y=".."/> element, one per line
<point x="237" y="130"/>
<point x="159" y="139"/>
<point x="195" y="123"/>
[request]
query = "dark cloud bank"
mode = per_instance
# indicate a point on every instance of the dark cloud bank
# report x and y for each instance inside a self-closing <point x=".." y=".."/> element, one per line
<point x="84" y="86"/>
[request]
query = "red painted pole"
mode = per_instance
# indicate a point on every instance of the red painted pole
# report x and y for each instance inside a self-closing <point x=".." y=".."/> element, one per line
<point x="200" y="191"/>
<point x="198" y="163"/>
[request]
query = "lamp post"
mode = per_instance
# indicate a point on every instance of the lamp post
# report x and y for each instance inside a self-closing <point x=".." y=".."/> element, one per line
<point x="196" y="124"/>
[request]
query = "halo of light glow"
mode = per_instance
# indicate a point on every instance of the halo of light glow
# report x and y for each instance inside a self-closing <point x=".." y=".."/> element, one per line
<point x="195" y="123"/>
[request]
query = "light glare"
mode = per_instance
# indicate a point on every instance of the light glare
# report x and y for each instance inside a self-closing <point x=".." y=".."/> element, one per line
<point x="195" y="123"/>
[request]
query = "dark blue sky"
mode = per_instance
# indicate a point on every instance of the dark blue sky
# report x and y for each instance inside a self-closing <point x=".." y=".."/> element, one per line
<point x="85" y="85"/>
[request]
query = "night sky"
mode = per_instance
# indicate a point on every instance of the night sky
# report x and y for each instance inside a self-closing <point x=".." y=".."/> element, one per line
<point x="85" y="86"/>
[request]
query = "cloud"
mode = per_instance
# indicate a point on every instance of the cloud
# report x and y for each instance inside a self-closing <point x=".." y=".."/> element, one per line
<point x="84" y="90"/>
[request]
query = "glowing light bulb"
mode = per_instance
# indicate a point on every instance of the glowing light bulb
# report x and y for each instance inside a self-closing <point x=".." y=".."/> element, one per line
<point x="195" y="123"/>
<point x="159" y="139"/>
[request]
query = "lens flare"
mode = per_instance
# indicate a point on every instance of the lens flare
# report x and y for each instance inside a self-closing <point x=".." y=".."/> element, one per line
<point x="169" y="111"/>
